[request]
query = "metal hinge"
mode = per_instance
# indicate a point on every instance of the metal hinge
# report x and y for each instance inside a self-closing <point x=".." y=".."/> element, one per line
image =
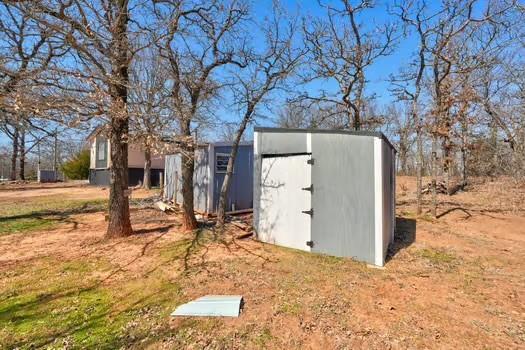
<point x="309" y="188"/>
<point x="310" y="243"/>
<point x="310" y="161"/>
<point x="309" y="212"/>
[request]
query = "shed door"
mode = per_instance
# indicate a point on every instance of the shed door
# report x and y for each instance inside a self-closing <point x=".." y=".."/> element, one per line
<point x="284" y="201"/>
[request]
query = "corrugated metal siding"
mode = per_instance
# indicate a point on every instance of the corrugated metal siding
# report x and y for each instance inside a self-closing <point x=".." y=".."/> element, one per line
<point x="388" y="193"/>
<point x="343" y="198"/>
<point x="200" y="180"/>
<point x="173" y="179"/>
<point x="241" y="187"/>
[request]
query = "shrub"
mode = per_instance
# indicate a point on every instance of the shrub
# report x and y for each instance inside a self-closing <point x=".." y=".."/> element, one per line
<point x="78" y="167"/>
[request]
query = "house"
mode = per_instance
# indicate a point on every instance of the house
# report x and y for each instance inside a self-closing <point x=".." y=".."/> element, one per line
<point x="325" y="191"/>
<point x="100" y="162"/>
<point x="211" y="160"/>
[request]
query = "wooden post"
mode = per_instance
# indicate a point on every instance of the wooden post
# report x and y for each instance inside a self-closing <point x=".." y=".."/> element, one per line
<point x="55" y="161"/>
<point x="161" y="183"/>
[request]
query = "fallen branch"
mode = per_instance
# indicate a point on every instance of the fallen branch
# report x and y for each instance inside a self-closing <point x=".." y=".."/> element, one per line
<point x="164" y="207"/>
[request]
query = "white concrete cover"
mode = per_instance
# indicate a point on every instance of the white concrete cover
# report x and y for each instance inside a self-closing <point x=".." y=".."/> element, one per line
<point x="211" y="305"/>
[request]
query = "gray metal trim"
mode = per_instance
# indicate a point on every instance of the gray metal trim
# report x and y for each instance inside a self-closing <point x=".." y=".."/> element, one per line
<point x="230" y="144"/>
<point x="277" y="155"/>
<point x="327" y="131"/>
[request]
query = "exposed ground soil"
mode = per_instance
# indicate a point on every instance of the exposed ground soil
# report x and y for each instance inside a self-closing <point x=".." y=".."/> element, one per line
<point x="454" y="282"/>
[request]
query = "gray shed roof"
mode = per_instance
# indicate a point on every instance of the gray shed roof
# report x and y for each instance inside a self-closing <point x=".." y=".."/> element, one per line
<point x="328" y="131"/>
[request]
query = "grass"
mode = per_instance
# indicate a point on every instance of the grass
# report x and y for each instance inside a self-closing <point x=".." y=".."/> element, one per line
<point x="62" y="304"/>
<point x="70" y="304"/>
<point x="43" y="213"/>
<point x="263" y="338"/>
<point x="438" y="256"/>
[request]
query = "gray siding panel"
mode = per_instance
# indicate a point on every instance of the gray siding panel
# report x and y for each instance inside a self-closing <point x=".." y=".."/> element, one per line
<point x="343" y="198"/>
<point x="99" y="177"/>
<point x="282" y="143"/>
<point x="172" y="177"/>
<point x="200" y="180"/>
<point x="241" y="187"/>
<point x="388" y="193"/>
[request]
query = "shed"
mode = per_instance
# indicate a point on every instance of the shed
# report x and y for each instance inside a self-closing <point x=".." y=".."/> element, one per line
<point x="211" y="160"/>
<point x="325" y="191"/>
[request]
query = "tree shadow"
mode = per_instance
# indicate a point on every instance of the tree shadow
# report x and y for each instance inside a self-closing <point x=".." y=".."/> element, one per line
<point x="405" y="235"/>
<point x="85" y="209"/>
<point x="55" y="215"/>
<point x="159" y="229"/>
<point x="448" y="211"/>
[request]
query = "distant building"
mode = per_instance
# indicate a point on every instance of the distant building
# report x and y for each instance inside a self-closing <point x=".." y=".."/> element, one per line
<point x="100" y="162"/>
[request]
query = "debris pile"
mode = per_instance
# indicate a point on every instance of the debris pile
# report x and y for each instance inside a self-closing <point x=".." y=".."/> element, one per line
<point x="441" y="188"/>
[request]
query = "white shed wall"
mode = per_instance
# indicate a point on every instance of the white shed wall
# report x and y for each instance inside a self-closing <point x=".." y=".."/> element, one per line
<point x="93" y="153"/>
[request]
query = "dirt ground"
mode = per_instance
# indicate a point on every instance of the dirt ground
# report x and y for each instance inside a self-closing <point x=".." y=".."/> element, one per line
<point x="77" y="190"/>
<point x="454" y="282"/>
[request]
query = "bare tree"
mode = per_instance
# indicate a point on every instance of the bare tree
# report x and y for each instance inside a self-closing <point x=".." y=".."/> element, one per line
<point x="402" y="121"/>
<point x="150" y="116"/>
<point x="26" y="51"/>
<point x="199" y="40"/>
<point x="456" y="20"/>
<point x="98" y="34"/>
<point x="343" y="50"/>
<point x="414" y="16"/>
<point x="265" y="73"/>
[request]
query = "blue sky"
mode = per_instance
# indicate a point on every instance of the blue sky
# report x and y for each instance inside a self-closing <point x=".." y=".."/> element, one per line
<point x="377" y="75"/>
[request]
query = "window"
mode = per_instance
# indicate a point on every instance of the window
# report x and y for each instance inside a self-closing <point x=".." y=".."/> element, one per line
<point x="101" y="149"/>
<point x="221" y="162"/>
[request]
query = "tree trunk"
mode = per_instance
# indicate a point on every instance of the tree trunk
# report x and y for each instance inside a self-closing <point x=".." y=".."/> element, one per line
<point x="357" y="119"/>
<point x="403" y="157"/>
<point x="146" y="183"/>
<point x="464" y="146"/>
<point x="434" y="175"/>
<point x="22" y="160"/>
<point x="492" y="172"/>
<point x="14" y="154"/>
<point x="119" y="221"/>
<point x="189" y="221"/>
<point x="223" y="197"/>
<point x="447" y="149"/>
<point x="419" y="165"/>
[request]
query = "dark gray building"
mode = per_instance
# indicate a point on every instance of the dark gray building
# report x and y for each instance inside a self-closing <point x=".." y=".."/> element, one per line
<point x="210" y="167"/>
<point x="325" y="191"/>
